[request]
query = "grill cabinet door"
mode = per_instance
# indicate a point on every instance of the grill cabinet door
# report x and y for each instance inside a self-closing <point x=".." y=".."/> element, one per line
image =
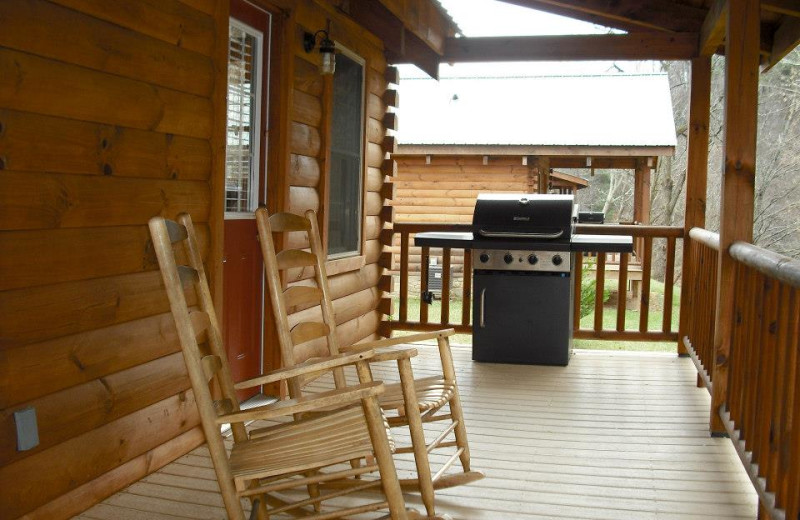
<point x="522" y="318"/>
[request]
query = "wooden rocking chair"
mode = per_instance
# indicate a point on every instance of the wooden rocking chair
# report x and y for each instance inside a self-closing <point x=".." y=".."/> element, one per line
<point x="427" y="396"/>
<point x="296" y="453"/>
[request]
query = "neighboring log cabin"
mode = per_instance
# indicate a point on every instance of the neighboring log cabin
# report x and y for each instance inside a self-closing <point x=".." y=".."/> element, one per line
<point x="112" y="112"/>
<point x="523" y="135"/>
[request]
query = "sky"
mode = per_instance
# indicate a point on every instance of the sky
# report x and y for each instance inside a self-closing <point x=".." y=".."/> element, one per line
<point x="494" y="18"/>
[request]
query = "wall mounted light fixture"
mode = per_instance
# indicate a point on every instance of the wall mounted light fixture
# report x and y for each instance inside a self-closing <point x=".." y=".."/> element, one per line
<point x="326" y="50"/>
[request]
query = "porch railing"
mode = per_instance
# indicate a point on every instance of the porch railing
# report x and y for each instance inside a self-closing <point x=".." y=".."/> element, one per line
<point x="701" y="290"/>
<point x="406" y="233"/>
<point x="761" y="410"/>
<point x="621" y="265"/>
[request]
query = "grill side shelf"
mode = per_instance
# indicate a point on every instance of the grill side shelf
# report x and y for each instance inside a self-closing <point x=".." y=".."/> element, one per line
<point x="602" y="243"/>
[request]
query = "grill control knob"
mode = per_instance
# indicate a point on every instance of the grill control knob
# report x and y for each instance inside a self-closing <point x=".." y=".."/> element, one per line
<point x="557" y="260"/>
<point x="533" y="259"/>
<point x="508" y="258"/>
<point x="484" y="258"/>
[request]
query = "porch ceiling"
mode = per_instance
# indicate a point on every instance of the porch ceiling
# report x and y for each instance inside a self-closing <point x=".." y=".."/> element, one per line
<point x="421" y="32"/>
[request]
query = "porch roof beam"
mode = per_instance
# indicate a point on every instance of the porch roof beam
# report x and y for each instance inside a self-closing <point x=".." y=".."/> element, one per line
<point x="785" y="38"/>
<point x="712" y="34"/>
<point x="628" y="15"/>
<point x="787" y="7"/>
<point x="412" y="33"/>
<point x="635" y="46"/>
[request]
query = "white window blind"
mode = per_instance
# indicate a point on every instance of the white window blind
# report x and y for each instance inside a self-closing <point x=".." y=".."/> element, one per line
<point x="242" y="151"/>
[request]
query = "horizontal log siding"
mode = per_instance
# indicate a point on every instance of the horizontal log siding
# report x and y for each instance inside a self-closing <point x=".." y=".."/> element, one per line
<point x="97" y="134"/>
<point x="443" y="189"/>
<point x="107" y="118"/>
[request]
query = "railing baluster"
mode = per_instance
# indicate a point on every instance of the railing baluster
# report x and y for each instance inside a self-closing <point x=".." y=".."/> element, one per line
<point x="404" y="239"/>
<point x="647" y="261"/>
<point x="778" y="417"/>
<point x="466" y="289"/>
<point x="669" y="285"/>
<point x="622" y="291"/>
<point x="445" y="286"/>
<point x="576" y="298"/>
<point x="790" y="451"/>
<point x="599" y="287"/>
<point x="766" y="375"/>
<point x="752" y="359"/>
<point x="423" y="283"/>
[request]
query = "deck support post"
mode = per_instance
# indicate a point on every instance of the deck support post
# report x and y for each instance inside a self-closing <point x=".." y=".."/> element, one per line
<point x="538" y="173"/>
<point x="696" y="178"/>
<point x="641" y="201"/>
<point x="641" y="192"/>
<point x="737" y="198"/>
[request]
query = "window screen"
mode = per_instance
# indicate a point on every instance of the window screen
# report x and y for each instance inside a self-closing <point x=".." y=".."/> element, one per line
<point x="344" y="202"/>
<point x="242" y="153"/>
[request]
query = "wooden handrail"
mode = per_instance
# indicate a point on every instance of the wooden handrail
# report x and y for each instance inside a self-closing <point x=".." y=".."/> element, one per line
<point x="705" y="237"/>
<point x="630" y="230"/>
<point x="768" y="263"/>
<point x="421" y="227"/>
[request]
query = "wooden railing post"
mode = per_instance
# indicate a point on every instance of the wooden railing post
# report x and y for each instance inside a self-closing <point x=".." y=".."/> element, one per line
<point x="742" y="44"/>
<point x="423" y="282"/>
<point x="404" y="239"/>
<point x="466" y="289"/>
<point x="445" y="286"/>
<point x="696" y="181"/>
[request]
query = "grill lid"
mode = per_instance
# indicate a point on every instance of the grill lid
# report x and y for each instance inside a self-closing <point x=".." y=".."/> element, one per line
<point x="542" y="218"/>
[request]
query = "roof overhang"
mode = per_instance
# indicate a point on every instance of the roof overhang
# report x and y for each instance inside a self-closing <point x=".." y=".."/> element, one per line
<point x="413" y="31"/>
<point x="525" y="150"/>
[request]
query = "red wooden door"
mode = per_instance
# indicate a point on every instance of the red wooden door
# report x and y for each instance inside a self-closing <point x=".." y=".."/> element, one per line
<point x="245" y="183"/>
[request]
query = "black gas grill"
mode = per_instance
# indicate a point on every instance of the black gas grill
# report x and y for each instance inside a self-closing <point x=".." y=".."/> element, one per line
<point x="522" y="275"/>
<point x="522" y="279"/>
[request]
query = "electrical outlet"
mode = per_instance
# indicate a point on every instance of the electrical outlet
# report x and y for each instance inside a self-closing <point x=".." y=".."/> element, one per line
<point x="27" y="429"/>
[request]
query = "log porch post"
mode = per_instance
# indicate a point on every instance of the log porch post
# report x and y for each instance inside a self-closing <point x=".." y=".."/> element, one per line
<point x="696" y="177"/>
<point x="641" y="191"/>
<point x="539" y="169"/>
<point x="736" y="211"/>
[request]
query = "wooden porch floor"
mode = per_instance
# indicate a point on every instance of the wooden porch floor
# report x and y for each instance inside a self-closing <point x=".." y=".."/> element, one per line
<point x="612" y="436"/>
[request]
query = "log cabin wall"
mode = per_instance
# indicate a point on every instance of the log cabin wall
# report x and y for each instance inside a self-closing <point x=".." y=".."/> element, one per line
<point x="110" y="113"/>
<point x="443" y="189"/>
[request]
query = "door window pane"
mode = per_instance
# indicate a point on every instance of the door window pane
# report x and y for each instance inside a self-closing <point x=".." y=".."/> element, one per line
<point x="344" y="203"/>
<point x="242" y="150"/>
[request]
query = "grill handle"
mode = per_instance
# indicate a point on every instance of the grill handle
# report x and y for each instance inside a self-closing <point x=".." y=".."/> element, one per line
<point x="512" y="234"/>
<point x="483" y="302"/>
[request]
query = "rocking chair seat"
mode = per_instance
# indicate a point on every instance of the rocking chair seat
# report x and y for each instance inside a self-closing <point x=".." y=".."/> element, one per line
<point x="302" y="445"/>
<point x="432" y="393"/>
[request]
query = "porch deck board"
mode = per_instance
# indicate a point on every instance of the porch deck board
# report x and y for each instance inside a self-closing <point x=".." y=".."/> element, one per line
<point x="613" y="435"/>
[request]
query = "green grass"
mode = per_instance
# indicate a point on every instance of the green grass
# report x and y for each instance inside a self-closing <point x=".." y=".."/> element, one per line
<point x="655" y="318"/>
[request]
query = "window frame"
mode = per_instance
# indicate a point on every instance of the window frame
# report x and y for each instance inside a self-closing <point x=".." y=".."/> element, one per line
<point x="341" y="49"/>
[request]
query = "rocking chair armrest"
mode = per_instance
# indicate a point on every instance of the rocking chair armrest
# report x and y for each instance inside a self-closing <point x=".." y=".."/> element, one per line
<point x="401" y="340"/>
<point x="310" y="403"/>
<point x="309" y="367"/>
<point x="384" y="353"/>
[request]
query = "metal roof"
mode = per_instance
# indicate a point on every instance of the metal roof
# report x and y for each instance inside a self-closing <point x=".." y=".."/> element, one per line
<point x="591" y="111"/>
